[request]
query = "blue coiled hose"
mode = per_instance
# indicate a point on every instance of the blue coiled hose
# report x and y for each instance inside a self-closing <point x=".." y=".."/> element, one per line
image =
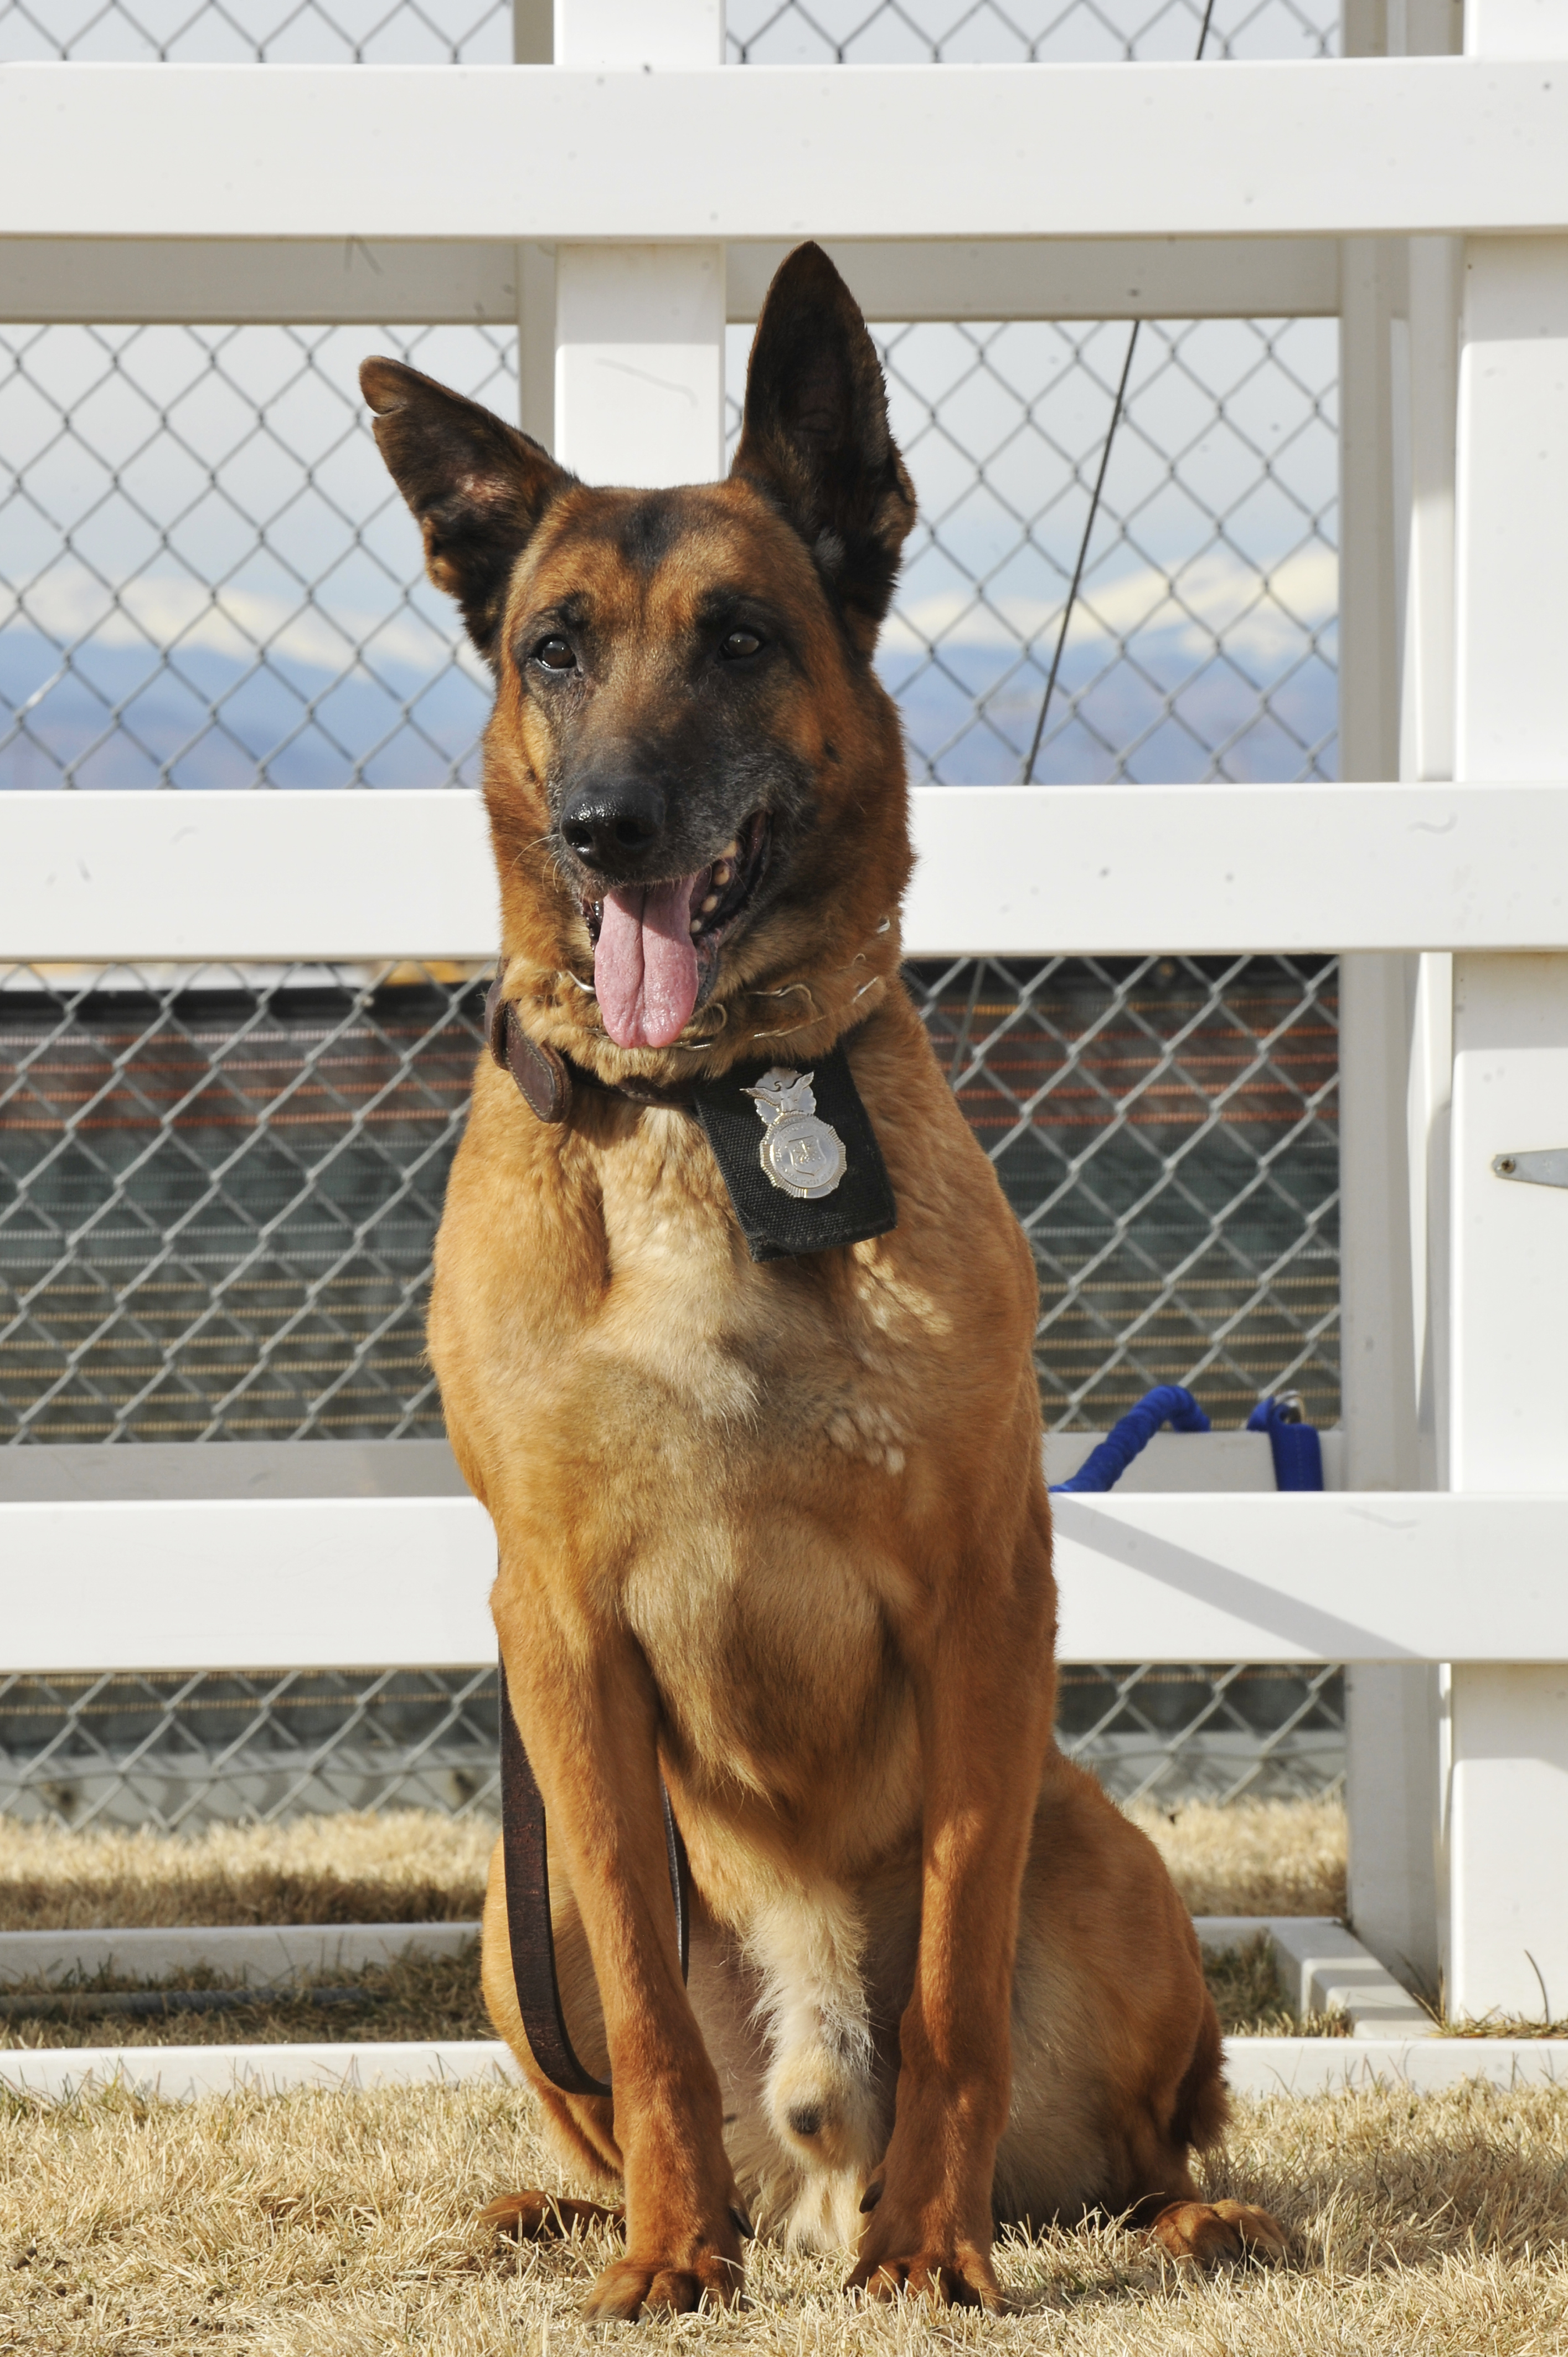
<point x="1297" y="1455"/>
<point x="1131" y="1435"/>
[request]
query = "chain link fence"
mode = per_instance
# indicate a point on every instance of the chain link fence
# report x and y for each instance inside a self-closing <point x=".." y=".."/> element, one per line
<point x="218" y="1197"/>
<point x="178" y="1752"/>
<point x="1021" y="32"/>
<point x="218" y="1192"/>
<point x="218" y="1186"/>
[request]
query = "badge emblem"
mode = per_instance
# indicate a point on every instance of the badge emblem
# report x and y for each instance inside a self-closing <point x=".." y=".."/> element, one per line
<point x="799" y="1152"/>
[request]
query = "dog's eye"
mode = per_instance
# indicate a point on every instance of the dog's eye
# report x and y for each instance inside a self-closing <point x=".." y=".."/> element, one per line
<point x="739" y="644"/>
<point x="555" y="654"/>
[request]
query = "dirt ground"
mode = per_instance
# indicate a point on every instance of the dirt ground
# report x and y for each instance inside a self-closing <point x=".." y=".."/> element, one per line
<point x="1270" y="1858"/>
<point x="328" y="2225"/>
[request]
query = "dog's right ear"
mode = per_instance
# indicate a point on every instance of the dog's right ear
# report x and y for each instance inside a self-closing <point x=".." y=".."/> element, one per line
<point x="476" y="487"/>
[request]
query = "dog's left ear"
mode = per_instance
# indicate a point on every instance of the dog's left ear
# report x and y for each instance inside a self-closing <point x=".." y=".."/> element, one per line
<point x="815" y="437"/>
<point x="476" y="487"/>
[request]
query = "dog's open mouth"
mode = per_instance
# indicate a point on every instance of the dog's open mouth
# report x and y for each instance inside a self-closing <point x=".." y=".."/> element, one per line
<point x="656" y="946"/>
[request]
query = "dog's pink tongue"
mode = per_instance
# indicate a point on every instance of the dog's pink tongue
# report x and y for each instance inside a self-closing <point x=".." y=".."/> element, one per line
<point x="645" y="968"/>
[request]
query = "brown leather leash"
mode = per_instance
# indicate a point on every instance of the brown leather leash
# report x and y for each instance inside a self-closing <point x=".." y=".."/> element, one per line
<point x="530" y="1932"/>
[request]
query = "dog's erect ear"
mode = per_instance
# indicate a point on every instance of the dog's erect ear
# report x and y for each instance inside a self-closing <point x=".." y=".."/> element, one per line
<point x="477" y="486"/>
<point x="815" y="437"/>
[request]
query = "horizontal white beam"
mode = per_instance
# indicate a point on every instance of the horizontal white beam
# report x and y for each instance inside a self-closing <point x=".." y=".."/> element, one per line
<point x="184" y="2074"/>
<point x="301" y="282"/>
<point x="1116" y="870"/>
<point x="268" y="1952"/>
<point x="310" y="280"/>
<point x="1254" y="2067"/>
<point x="247" y="1584"/>
<point x="1257" y="2068"/>
<point x="378" y="1583"/>
<point x="1020" y="871"/>
<point x="1343" y="1576"/>
<point x="250" y="877"/>
<point x="1051" y="278"/>
<point x="1331" y="149"/>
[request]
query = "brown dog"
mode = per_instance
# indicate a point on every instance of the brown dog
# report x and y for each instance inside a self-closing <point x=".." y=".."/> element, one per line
<point x="778" y="1530"/>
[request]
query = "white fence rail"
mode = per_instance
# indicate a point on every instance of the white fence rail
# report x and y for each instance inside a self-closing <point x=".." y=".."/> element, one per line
<point x="1001" y="870"/>
<point x="389" y="1583"/>
<point x="1411" y="148"/>
<point x="1079" y="190"/>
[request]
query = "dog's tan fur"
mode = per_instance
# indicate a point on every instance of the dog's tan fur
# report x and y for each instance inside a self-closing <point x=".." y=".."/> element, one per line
<point x="781" y="1530"/>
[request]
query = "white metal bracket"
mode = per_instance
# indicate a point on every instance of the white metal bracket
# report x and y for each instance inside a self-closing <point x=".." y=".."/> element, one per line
<point x="1549" y="1167"/>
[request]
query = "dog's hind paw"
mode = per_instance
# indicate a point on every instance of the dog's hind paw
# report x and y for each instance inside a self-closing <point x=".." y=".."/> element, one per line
<point x="1219" y="2233"/>
<point x="634" y="2287"/>
<point x="530" y="2217"/>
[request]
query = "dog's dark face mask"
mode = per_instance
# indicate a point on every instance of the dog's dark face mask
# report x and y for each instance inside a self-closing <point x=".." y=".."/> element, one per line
<point x="685" y="692"/>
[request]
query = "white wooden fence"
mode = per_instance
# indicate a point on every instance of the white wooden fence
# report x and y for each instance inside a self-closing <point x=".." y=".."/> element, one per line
<point x="622" y="203"/>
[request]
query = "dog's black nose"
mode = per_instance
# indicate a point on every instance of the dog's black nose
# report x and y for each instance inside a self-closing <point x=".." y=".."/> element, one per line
<point x="614" y="827"/>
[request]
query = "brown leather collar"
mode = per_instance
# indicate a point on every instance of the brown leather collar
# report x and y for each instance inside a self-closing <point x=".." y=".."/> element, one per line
<point x="548" y="1079"/>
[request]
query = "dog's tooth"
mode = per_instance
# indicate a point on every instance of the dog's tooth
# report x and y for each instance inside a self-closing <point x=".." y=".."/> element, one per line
<point x="732" y="848"/>
<point x="723" y="871"/>
<point x="695" y="926"/>
<point x="710" y="903"/>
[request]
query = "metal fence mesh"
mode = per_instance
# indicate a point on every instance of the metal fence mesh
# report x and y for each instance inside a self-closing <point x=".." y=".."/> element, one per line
<point x="218" y="1200"/>
<point x="1165" y="1130"/>
<point x="218" y="1187"/>
<point x="218" y="1193"/>
<point x="175" y="1753"/>
<point x="260" y="32"/>
<point x="958" y="32"/>
<point x="205" y="576"/>
<point x="758" y="32"/>
<point x="1202" y="642"/>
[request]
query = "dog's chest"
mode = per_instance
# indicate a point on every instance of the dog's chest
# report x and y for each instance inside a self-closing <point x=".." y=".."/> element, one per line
<point x="796" y="1353"/>
<point x="759" y="1425"/>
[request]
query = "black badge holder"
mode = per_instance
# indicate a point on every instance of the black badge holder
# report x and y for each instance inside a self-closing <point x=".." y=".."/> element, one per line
<point x="775" y="1224"/>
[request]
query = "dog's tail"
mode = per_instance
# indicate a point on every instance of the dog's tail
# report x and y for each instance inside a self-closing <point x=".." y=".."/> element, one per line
<point x="1202" y="2103"/>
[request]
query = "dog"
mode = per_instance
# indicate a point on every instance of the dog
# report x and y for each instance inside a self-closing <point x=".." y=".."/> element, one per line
<point x="773" y="1528"/>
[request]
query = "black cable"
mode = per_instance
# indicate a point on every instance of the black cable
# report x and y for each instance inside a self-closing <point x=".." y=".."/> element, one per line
<point x="1116" y="408"/>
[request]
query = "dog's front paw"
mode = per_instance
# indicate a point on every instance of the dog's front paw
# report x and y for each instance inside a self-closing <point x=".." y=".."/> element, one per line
<point x="634" y="2287"/>
<point x="958" y="2279"/>
<point x="953" y="2269"/>
<point x="1219" y="2233"/>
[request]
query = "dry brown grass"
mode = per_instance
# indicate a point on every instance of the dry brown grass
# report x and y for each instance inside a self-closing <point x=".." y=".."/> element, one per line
<point x="324" y="2225"/>
<point x="439" y="1997"/>
<point x="413" y="1997"/>
<point x="1254" y="1857"/>
<point x="1244" y="1983"/>
<point x="409" y="1865"/>
<point x="1268" y="1857"/>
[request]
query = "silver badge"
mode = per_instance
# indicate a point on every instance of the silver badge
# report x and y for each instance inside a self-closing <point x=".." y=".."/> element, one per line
<point x="800" y="1154"/>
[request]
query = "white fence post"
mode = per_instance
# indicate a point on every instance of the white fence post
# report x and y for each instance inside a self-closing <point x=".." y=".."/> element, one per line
<point x="534" y="44"/>
<point x="1396" y="586"/>
<point x="1388" y="1825"/>
<point x="1507" y="1822"/>
<point x="639" y="329"/>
